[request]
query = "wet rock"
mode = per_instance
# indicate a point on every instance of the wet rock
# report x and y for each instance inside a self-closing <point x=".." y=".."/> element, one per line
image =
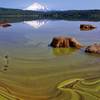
<point x="4" y="24"/>
<point x="95" y="48"/>
<point x="65" y="42"/>
<point x="86" y="27"/>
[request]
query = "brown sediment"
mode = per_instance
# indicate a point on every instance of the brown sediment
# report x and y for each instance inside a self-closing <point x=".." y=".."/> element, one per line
<point x="9" y="93"/>
<point x="6" y="92"/>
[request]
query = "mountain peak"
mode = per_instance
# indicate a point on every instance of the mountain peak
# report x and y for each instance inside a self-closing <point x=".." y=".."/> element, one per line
<point x="36" y="7"/>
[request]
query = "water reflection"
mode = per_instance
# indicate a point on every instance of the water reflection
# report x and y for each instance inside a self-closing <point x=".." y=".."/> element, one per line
<point x="63" y="51"/>
<point x="36" y="23"/>
<point x="30" y="70"/>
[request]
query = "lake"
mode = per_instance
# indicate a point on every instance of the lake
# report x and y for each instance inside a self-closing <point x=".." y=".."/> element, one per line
<point x="31" y="70"/>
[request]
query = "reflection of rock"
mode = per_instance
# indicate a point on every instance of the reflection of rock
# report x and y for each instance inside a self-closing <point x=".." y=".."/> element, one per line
<point x="36" y="23"/>
<point x="62" y="51"/>
<point x="4" y="24"/>
<point x="65" y="42"/>
<point x="95" y="48"/>
<point x="86" y="27"/>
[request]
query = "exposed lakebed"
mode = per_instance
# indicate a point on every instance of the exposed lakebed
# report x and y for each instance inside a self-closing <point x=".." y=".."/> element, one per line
<point x="30" y="70"/>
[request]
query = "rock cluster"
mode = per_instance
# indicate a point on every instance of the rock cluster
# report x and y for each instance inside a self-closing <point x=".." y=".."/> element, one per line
<point x="86" y="27"/>
<point x="70" y="42"/>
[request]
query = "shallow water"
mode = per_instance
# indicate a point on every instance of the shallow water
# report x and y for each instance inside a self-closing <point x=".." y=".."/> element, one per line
<point x="30" y="70"/>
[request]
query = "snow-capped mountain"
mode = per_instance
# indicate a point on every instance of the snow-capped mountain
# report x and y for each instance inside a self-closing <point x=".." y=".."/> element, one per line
<point x="37" y="7"/>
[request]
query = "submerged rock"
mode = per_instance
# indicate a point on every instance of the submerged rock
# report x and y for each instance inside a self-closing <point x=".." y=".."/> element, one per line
<point x="62" y="51"/>
<point x="86" y="27"/>
<point x="95" y="48"/>
<point x="65" y="42"/>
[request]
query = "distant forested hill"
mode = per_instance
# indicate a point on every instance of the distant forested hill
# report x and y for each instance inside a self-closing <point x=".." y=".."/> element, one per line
<point x="6" y="12"/>
<point x="91" y="15"/>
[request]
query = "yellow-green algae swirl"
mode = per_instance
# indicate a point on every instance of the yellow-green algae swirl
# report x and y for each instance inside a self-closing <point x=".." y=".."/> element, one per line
<point x="5" y="94"/>
<point x="81" y="89"/>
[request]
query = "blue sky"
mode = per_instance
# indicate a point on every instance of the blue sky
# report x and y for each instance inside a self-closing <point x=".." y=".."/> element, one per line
<point x="53" y="4"/>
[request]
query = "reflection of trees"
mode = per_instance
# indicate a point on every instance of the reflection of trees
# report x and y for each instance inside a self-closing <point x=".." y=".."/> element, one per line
<point x="15" y="19"/>
<point x="62" y="51"/>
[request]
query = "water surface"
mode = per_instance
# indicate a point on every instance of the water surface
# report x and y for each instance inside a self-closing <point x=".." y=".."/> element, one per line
<point x="31" y="70"/>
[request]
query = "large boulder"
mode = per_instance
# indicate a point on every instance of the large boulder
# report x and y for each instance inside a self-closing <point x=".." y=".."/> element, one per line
<point x="86" y="27"/>
<point x="95" y="48"/>
<point x="65" y="42"/>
